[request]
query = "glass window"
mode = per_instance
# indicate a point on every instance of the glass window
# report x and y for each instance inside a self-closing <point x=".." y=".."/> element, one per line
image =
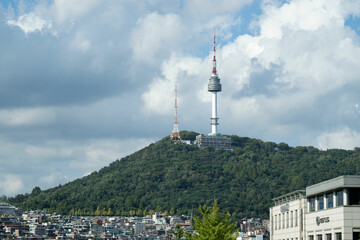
<point x="319" y="237"/>
<point x="287" y="220"/>
<point x="320" y="202"/>
<point x="330" y="200"/>
<point x="296" y="220"/>
<point x="328" y="236"/>
<point x="312" y="204"/>
<point x="279" y="221"/>
<point x="338" y="236"/>
<point x="274" y="224"/>
<point x="283" y="220"/>
<point x="354" y="195"/>
<point x="311" y="237"/>
<point x="339" y="198"/>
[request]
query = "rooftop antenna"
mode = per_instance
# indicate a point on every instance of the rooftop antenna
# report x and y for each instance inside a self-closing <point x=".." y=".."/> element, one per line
<point x="175" y="135"/>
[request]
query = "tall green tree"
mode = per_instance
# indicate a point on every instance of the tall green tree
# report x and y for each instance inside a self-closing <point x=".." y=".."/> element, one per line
<point x="212" y="225"/>
<point x="179" y="233"/>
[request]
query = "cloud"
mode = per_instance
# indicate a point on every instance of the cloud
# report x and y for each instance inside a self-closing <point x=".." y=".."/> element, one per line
<point x="26" y="117"/>
<point x="30" y="23"/>
<point x="207" y="8"/>
<point x="53" y="179"/>
<point x="56" y="162"/>
<point x="343" y="138"/>
<point x="81" y="42"/>
<point x="104" y="151"/>
<point x="11" y="184"/>
<point x="66" y="10"/>
<point x="156" y="35"/>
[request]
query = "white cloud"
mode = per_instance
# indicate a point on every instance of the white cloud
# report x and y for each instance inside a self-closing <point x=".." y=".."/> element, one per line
<point x="67" y="10"/>
<point x="343" y="138"/>
<point x="210" y="8"/>
<point x="186" y="72"/>
<point x="52" y="179"/>
<point x="11" y="184"/>
<point x="27" y="117"/>
<point x="155" y="36"/>
<point x="101" y="152"/>
<point x="30" y="23"/>
<point x="81" y="42"/>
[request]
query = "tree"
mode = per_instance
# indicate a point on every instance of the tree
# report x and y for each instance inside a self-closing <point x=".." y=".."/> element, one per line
<point x="109" y="212"/>
<point x="213" y="225"/>
<point x="72" y="212"/>
<point x="172" y="211"/>
<point x="179" y="233"/>
<point x="36" y="191"/>
<point x="97" y="212"/>
<point x="3" y="198"/>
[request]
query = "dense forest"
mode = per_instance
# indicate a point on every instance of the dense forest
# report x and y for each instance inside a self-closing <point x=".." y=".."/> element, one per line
<point x="177" y="178"/>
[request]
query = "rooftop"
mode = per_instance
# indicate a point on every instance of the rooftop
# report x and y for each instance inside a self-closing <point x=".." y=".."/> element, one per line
<point x="289" y="197"/>
<point x="334" y="184"/>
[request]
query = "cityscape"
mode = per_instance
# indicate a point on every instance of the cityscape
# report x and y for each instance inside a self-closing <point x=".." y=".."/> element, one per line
<point x="180" y="120"/>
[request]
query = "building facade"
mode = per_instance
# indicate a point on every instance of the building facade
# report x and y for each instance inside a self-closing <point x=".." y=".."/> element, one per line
<point x="216" y="141"/>
<point x="329" y="210"/>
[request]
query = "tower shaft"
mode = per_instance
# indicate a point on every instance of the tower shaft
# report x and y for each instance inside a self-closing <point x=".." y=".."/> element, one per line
<point x="214" y="118"/>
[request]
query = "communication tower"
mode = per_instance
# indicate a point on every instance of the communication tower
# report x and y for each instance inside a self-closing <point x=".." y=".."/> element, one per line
<point x="214" y="139"/>
<point x="175" y="135"/>
<point x="214" y="87"/>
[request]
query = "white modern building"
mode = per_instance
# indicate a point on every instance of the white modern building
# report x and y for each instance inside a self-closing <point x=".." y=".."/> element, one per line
<point x="328" y="210"/>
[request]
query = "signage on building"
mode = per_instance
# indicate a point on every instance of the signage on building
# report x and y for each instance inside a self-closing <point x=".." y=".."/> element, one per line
<point x="284" y="208"/>
<point x="322" y="220"/>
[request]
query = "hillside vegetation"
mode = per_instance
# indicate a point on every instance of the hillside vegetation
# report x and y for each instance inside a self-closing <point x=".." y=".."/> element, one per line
<point x="177" y="178"/>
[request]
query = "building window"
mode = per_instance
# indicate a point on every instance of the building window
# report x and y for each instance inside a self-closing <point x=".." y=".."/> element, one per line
<point x="354" y="195"/>
<point x="287" y="220"/>
<point x="330" y="200"/>
<point x="274" y="223"/>
<point x="328" y="236"/>
<point x="312" y="204"/>
<point x="311" y="237"/>
<point x="291" y="219"/>
<point x="296" y="220"/>
<point x="280" y="221"/>
<point x="320" y="202"/>
<point x="339" y="198"/>
<point x="338" y="236"/>
<point x="319" y="237"/>
<point x="283" y="220"/>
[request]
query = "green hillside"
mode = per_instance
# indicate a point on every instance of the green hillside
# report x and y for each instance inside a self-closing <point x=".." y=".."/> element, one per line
<point x="177" y="177"/>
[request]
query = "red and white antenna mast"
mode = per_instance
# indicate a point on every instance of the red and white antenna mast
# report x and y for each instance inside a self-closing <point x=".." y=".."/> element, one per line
<point x="175" y="135"/>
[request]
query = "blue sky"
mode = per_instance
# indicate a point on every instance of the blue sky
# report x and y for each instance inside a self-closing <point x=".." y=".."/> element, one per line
<point x="85" y="84"/>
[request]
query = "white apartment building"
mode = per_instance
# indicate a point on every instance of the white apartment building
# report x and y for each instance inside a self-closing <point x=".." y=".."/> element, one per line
<point x="329" y="210"/>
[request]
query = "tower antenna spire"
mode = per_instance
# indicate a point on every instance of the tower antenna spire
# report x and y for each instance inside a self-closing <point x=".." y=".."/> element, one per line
<point x="214" y="59"/>
<point x="175" y="135"/>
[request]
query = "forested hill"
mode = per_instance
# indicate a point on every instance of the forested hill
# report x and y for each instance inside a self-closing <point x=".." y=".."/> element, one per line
<point x="177" y="177"/>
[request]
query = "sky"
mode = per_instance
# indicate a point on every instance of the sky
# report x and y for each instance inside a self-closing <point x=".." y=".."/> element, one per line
<point x="86" y="82"/>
